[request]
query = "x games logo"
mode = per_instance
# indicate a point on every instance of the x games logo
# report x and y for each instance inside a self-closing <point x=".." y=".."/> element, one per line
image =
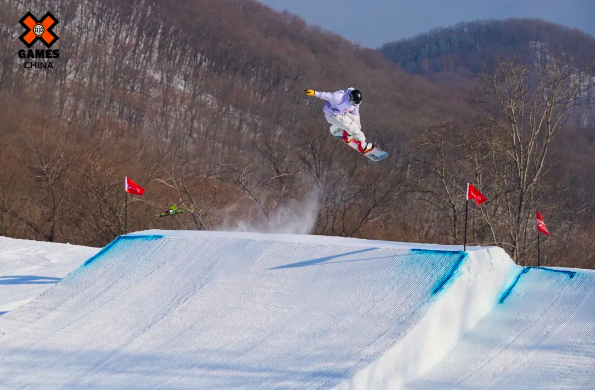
<point x="38" y="29"/>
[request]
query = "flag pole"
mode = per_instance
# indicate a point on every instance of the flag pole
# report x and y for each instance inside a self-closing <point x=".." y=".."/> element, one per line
<point x="125" y="212"/>
<point x="538" y="254"/>
<point x="465" y="234"/>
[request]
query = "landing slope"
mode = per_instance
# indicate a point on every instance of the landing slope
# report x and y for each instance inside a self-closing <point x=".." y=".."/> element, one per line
<point x="540" y="336"/>
<point x="187" y="310"/>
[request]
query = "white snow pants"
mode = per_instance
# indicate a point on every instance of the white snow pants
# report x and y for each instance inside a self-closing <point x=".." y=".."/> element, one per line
<point x="347" y="122"/>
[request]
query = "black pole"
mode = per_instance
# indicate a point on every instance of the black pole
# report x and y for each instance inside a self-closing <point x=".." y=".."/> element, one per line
<point x="126" y="212"/>
<point x="538" y="254"/>
<point x="465" y="235"/>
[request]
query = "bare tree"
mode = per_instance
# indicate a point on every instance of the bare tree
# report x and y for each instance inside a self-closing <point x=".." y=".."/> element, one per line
<point x="523" y="108"/>
<point x="266" y="182"/>
<point x="49" y="160"/>
<point x="443" y="173"/>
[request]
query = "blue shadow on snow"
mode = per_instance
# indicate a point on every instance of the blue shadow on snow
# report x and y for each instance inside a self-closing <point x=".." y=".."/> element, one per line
<point x="320" y="260"/>
<point x="440" y="285"/>
<point x="525" y="270"/>
<point x="453" y="270"/>
<point x="28" y="279"/>
<point x="110" y="246"/>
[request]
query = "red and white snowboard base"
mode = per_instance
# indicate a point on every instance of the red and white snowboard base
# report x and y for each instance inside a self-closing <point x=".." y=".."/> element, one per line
<point x="375" y="154"/>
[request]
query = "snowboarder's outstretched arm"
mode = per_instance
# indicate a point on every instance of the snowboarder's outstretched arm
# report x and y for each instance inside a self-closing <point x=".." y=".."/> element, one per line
<point x="331" y="97"/>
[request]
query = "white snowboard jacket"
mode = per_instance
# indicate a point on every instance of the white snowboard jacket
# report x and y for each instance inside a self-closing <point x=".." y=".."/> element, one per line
<point x="338" y="102"/>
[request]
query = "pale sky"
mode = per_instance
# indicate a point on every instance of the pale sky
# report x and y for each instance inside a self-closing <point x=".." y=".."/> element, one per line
<point x="375" y="22"/>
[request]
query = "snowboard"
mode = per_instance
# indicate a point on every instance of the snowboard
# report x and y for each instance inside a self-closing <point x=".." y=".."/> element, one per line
<point x="166" y="214"/>
<point x="375" y="154"/>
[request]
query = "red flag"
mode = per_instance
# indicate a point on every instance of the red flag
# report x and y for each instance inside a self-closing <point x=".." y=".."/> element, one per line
<point x="473" y="193"/>
<point x="541" y="224"/>
<point x="133" y="188"/>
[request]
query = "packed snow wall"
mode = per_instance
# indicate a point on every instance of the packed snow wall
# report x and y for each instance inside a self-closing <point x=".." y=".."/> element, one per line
<point x="188" y="310"/>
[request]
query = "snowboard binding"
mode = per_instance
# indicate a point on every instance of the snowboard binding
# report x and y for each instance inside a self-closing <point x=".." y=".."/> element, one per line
<point x="367" y="149"/>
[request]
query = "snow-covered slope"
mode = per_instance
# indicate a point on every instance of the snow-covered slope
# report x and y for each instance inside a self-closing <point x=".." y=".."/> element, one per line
<point x="28" y="268"/>
<point x="214" y="310"/>
<point x="178" y="310"/>
<point x="541" y="336"/>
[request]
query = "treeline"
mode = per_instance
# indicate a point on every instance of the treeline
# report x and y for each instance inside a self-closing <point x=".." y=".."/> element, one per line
<point x="452" y="57"/>
<point x="475" y="47"/>
<point x="200" y="102"/>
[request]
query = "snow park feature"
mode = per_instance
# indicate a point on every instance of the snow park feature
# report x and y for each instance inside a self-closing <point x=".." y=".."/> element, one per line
<point x="225" y="310"/>
<point x="28" y="268"/>
<point x="540" y="336"/>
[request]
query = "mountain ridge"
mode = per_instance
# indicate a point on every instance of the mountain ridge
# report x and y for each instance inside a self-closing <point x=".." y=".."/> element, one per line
<point x="475" y="46"/>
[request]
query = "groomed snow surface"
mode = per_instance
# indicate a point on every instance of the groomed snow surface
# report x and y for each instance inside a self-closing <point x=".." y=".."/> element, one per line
<point x="28" y="268"/>
<point x="213" y="310"/>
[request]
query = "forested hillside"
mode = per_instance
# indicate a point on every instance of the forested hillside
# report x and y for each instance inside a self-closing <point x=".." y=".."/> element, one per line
<point x="472" y="48"/>
<point x="454" y="56"/>
<point x="200" y="102"/>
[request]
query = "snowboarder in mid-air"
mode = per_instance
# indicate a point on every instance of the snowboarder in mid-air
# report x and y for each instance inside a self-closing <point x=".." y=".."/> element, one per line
<point x="173" y="210"/>
<point x="342" y="112"/>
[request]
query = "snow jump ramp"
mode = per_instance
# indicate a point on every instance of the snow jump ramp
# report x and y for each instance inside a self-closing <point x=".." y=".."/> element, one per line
<point x="213" y="310"/>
